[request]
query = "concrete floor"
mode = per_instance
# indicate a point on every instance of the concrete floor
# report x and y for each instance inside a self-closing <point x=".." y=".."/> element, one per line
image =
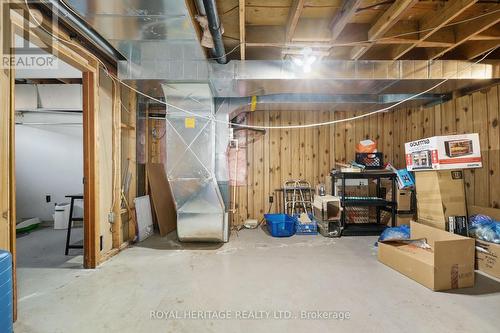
<point x="253" y="272"/>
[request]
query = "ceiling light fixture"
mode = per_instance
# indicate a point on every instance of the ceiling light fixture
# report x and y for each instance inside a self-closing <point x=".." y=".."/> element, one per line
<point x="306" y="61"/>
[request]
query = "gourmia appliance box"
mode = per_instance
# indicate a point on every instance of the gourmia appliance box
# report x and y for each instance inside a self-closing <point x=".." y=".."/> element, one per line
<point x="460" y="151"/>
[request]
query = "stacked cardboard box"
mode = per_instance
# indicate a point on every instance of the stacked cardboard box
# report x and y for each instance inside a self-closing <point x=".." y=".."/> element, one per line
<point x="449" y="261"/>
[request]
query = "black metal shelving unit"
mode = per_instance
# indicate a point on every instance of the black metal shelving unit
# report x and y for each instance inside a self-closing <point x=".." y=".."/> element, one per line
<point x="365" y="229"/>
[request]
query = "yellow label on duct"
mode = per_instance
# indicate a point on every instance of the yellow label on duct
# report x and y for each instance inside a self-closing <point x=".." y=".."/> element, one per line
<point x="189" y="122"/>
<point x="253" y="104"/>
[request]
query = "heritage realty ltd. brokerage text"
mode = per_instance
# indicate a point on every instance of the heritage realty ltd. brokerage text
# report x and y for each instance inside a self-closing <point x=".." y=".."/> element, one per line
<point x="248" y="315"/>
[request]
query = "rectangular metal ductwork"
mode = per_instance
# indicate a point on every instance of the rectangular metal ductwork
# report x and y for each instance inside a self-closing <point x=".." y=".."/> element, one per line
<point x="190" y="164"/>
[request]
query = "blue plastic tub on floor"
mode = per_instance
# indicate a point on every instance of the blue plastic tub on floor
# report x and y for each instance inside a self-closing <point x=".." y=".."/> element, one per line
<point x="5" y="292"/>
<point x="280" y="225"/>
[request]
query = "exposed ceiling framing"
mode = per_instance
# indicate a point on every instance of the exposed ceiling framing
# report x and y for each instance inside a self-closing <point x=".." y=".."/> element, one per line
<point x="361" y="29"/>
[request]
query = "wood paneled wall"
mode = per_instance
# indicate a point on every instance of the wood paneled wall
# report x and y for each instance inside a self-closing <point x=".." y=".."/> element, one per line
<point x="310" y="153"/>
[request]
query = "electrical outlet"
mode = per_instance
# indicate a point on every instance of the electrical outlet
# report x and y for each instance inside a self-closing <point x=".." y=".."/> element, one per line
<point x="271" y="199"/>
<point x="111" y="217"/>
<point x="48" y="198"/>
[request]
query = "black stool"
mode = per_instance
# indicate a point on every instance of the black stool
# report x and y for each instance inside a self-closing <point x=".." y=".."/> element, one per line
<point x="71" y="219"/>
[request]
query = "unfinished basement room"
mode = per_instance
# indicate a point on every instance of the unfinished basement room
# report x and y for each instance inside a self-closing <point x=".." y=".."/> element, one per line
<point x="249" y="166"/>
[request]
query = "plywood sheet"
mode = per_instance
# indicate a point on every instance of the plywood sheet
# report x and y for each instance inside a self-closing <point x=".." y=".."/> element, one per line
<point x="163" y="201"/>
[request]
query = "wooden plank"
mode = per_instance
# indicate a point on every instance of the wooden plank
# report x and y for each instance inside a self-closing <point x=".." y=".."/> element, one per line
<point x="343" y="17"/>
<point x="465" y="31"/>
<point x="162" y="199"/>
<point x="286" y="154"/>
<point x="428" y="122"/>
<point x="493" y="147"/>
<point x="250" y="176"/>
<point x="448" y="122"/>
<point x="437" y="120"/>
<point x="258" y="170"/>
<point x="340" y="137"/>
<point x="294" y="145"/>
<point x="275" y="156"/>
<point x="315" y="147"/>
<point x="350" y="139"/>
<point x="463" y="114"/>
<point x="324" y="149"/>
<point x="293" y="18"/>
<point x="433" y="22"/>
<point x="480" y="125"/>
<point x="333" y="147"/>
<point x="389" y="18"/>
<point x="117" y="231"/>
<point x="396" y="115"/>
<point x="309" y="166"/>
<point x="302" y="146"/>
<point x="388" y="139"/>
<point x="242" y="16"/>
<point x="90" y="171"/>
<point x="267" y="164"/>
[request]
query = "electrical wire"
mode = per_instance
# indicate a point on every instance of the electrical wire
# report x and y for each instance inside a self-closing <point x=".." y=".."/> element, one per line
<point x="385" y="109"/>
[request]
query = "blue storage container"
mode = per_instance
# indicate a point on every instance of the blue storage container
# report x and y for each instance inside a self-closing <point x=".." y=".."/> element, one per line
<point x="280" y="225"/>
<point x="5" y="292"/>
<point x="306" y="228"/>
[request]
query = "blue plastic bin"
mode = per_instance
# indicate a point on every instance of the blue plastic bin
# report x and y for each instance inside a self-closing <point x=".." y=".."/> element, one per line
<point x="5" y="292"/>
<point x="305" y="228"/>
<point x="280" y="225"/>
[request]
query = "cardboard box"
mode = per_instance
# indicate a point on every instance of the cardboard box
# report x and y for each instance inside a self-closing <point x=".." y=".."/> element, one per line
<point x="440" y="194"/>
<point x="401" y="218"/>
<point x="460" y="151"/>
<point x="488" y="258"/>
<point x="403" y="198"/>
<point x="449" y="264"/>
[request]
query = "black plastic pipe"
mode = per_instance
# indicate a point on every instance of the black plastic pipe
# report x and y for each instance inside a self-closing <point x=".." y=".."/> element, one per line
<point x="219" y="52"/>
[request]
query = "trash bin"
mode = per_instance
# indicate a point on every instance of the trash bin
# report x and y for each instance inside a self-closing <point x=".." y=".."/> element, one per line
<point x="61" y="215"/>
<point x="6" y="305"/>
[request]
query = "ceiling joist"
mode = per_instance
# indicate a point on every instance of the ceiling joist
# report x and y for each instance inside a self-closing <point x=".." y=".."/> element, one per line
<point x="434" y="21"/>
<point x="293" y="18"/>
<point x="466" y="30"/>
<point x="383" y="24"/>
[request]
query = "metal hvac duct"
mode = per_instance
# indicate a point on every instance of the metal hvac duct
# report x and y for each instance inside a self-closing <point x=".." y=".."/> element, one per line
<point x="190" y="167"/>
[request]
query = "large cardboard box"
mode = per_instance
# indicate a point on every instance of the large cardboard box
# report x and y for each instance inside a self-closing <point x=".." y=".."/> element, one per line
<point x="460" y="151"/>
<point x="440" y="194"/>
<point x="449" y="264"/>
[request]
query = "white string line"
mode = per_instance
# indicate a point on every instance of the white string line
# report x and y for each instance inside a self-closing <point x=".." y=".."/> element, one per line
<point x="113" y="77"/>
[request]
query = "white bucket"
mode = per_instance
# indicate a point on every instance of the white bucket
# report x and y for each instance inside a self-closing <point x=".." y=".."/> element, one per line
<point x="61" y="215"/>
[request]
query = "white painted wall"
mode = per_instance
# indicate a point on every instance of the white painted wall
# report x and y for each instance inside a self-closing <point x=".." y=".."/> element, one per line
<point x="49" y="161"/>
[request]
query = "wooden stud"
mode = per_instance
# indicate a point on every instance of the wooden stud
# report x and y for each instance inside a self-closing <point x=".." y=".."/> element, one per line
<point x="242" y="17"/>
